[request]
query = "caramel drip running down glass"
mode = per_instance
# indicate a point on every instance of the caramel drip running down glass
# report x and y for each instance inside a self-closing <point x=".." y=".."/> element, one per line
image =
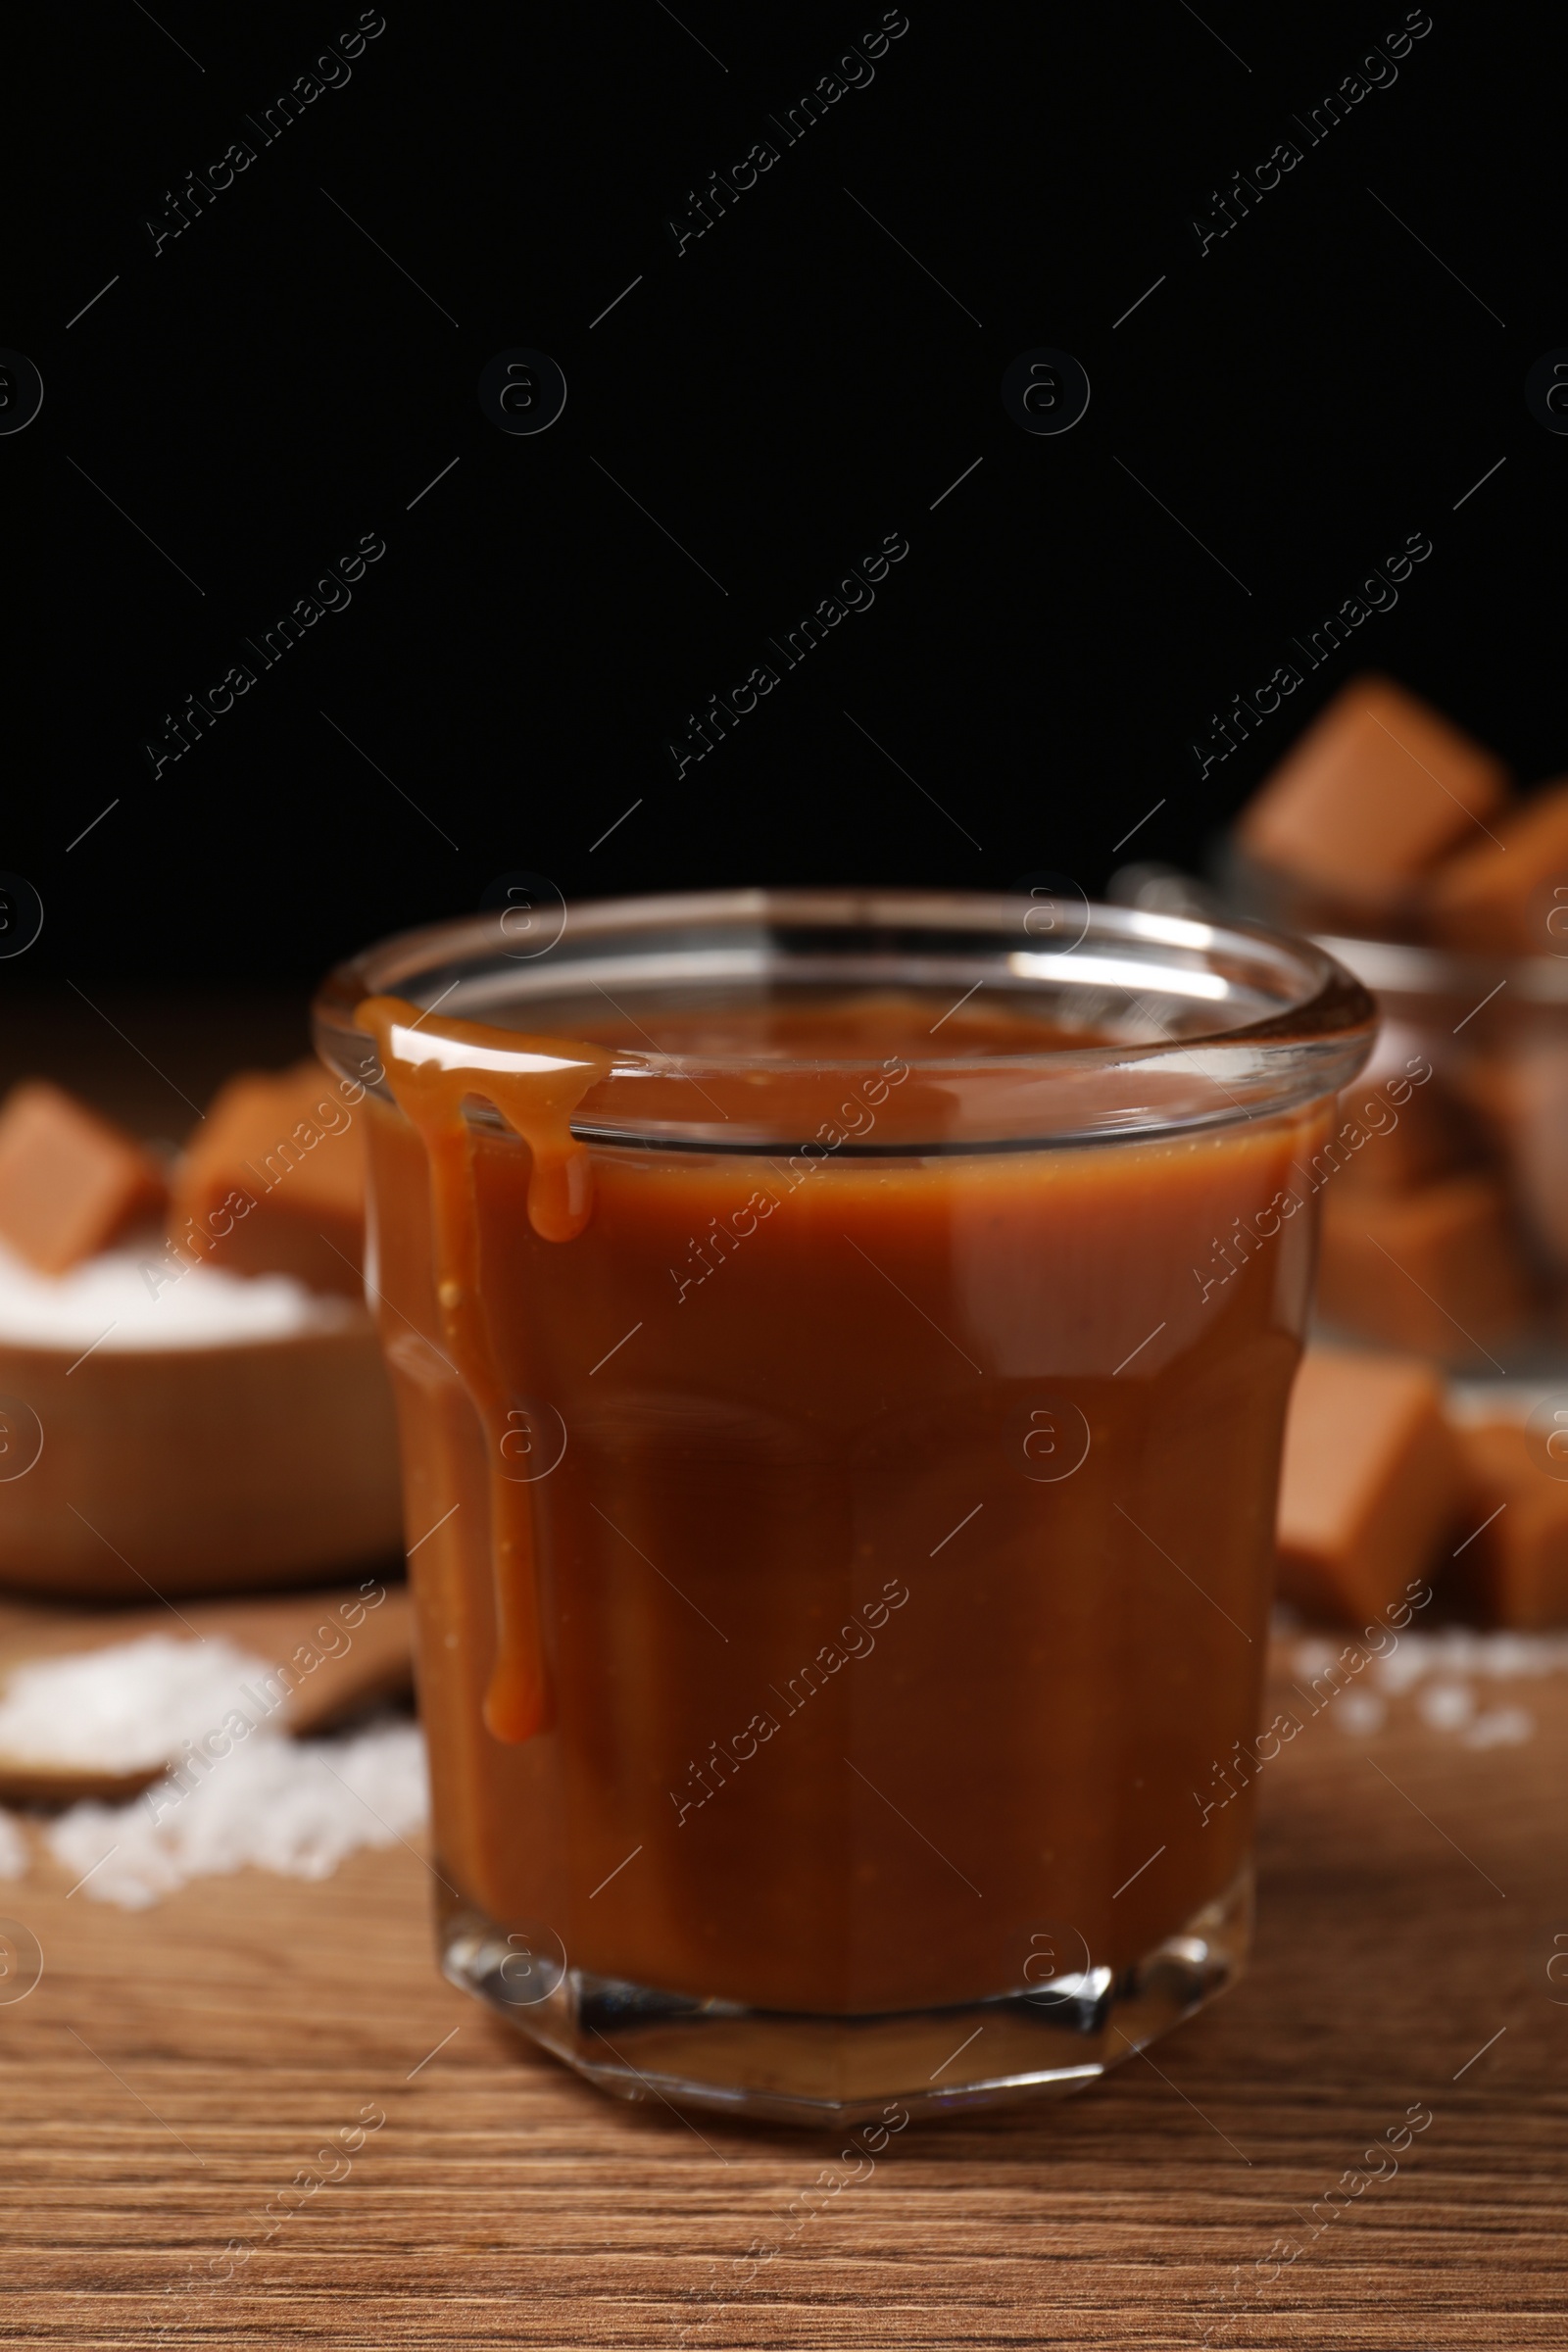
<point x="840" y="1490"/>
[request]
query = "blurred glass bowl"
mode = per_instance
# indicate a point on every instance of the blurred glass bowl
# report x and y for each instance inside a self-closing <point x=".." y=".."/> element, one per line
<point x="1445" y="1186"/>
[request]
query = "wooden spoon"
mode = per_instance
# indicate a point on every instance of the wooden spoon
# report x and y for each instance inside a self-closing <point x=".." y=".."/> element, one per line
<point x="376" y="1663"/>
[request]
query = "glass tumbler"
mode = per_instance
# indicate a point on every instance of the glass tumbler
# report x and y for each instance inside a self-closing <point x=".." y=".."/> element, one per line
<point x="839" y="1468"/>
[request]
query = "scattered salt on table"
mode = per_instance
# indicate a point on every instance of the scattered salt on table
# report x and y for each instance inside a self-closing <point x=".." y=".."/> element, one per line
<point x="1360" y="1713"/>
<point x="1500" y="1726"/>
<point x="1456" y="1650"/>
<point x="1446" y="1706"/>
<point x="1435" y="1664"/>
<point x="298" y="1807"/>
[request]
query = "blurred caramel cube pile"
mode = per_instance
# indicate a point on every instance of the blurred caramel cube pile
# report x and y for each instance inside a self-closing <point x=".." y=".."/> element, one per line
<point x="1444" y="1215"/>
<point x="71" y="1182"/>
<point x="272" y="1181"/>
<point x="1384" y="1484"/>
<point x="1377" y="791"/>
<point x="1369" y="1484"/>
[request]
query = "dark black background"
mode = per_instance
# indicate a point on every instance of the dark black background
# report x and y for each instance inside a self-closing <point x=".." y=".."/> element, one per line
<point x="793" y="387"/>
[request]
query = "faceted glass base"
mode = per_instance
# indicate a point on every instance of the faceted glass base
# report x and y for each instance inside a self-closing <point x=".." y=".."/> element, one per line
<point x="799" y="2068"/>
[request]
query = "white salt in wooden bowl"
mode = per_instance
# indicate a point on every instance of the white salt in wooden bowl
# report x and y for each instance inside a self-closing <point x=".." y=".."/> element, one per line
<point x="203" y="1435"/>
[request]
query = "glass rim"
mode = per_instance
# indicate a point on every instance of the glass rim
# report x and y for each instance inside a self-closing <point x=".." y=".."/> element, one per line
<point x="1392" y="959"/>
<point x="1299" y="1023"/>
<point x="1413" y="968"/>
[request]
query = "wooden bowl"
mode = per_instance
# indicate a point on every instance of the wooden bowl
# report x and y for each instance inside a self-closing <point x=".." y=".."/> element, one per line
<point x="208" y="1469"/>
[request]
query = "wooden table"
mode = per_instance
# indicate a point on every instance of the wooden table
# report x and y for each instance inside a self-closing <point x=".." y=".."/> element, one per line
<point x="175" y="2068"/>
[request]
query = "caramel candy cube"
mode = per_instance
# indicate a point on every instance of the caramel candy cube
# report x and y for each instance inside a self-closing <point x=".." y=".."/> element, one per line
<point x="1515" y="1566"/>
<point x="1376" y="790"/>
<point x="1509" y="896"/>
<point x="272" y="1181"/>
<point x="70" y="1181"/>
<point x="1368" y="1485"/>
<point x="1437" y="1271"/>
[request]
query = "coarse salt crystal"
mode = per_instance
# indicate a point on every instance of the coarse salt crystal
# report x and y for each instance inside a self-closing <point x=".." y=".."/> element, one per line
<point x="1361" y="1713"/>
<point x="1446" y="1706"/>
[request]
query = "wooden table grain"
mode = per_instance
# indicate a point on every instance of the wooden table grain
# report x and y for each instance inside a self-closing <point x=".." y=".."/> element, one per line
<point x="175" y="2070"/>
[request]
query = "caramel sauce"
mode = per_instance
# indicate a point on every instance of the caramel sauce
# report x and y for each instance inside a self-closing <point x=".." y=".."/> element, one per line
<point x="797" y="1583"/>
<point x="534" y="1084"/>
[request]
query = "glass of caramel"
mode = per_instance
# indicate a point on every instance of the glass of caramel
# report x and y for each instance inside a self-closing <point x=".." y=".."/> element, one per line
<point x="840" y="1489"/>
